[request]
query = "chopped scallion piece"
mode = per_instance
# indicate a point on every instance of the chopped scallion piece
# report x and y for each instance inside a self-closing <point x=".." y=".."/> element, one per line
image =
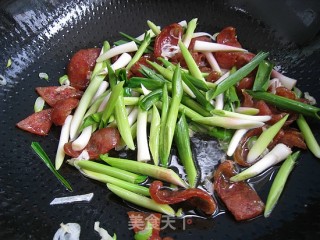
<point x="185" y="154"/>
<point x="150" y="99"/>
<point x="64" y="80"/>
<point x="308" y="136"/>
<point x="199" y="95"/>
<point x="192" y="66"/>
<point x="151" y="74"/>
<point x="239" y="74"/>
<point x="228" y="122"/>
<point x="84" y="103"/>
<point x="143" y="154"/>
<point x="44" y="157"/>
<point x="156" y="30"/>
<point x="189" y="32"/>
<point x="164" y="113"/>
<point x="140" y="200"/>
<point x="116" y="92"/>
<point x="264" y="139"/>
<point x="118" y="182"/>
<point x="224" y="113"/>
<point x="138" y="42"/>
<point x="44" y="76"/>
<point x="110" y="171"/>
<point x="195" y="81"/>
<point x="64" y="137"/>
<point x="156" y="172"/>
<point x="261" y="82"/>
<point x="171" y="121"/>
<point x="82" y="140"/>
<point x="276" y="155"/>
<point x="155" y="135"/>
<point x="144" y="234"/>
<point x="140" y="51"/>
<point x="149" y="83"/>
<point x="195" y="106"/>
<point x="121" y="117"/>
<point x="9" y="63"/>
<point x="236" y="138"/>
<point x="279" y="182"/>
<point x="39" y="104"/>
<point x="247" y="110"/>
<point x="286" y="103"/>
<point x="124" y="48"/>
<point x="203" y="46"/>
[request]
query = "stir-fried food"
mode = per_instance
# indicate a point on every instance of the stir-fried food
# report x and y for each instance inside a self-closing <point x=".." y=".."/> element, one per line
<point x="149" y="93"/>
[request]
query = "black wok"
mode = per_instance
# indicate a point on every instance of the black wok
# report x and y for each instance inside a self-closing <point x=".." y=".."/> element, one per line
<point x="40" y="36"/>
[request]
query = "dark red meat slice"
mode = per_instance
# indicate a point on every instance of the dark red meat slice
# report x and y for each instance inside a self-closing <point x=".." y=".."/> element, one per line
<point x="240" y="199"/>
<point x="226" y="60"/>
<point x="229" y="59"/>
<point x="200" y="59"/>
<point x="169" y="36"/>
<point x="285" y="92"/>
<point x="243" y="58"/>
<point x="53" y="94"/>
<point x="195" y="197"/>
<point x="38" y="123"/>
<point x="290" y="137"/>
<point x="276" y="139"/>
<point x="62" y="109"/>
<point x="80" y="67"/>
<point x="138" y="222"/>
<point x="101" y="142"/>
<point x="245" y="83"/>
<point x="247" y="100"/>
<point x="228" y="36"/>
<point x="213" y="76"/>
<point x="293" y="138"/>
<point x="276" y="115"/>
<point x="263" y="108"/>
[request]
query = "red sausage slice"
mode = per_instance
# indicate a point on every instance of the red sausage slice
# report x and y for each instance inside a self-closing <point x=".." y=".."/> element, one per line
<point x="80" y="67"/>
<point x="53" y="94"/>
<point x="167" y="39"/>
<point x="38" y="123"/>
<point x="228" y="36"/>
<point x="194" y="196"/>
<point x="285" y="92"/>
<point x="241" y="200"/>
<point x="62" y="109"/>
<point x="290" y="137"/>
<point x="229" y="59"/>
<point x="101" y="142"/>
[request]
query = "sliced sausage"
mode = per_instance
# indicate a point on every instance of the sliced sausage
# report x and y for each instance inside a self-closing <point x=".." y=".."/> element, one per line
<point x="101" y="142"/>
<point x="80" y="67"/>
<point x="62" y="109"/>
<point x="53" y="94"/>
<point x="240" y="199"/>
<point x="38" y="123"/>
